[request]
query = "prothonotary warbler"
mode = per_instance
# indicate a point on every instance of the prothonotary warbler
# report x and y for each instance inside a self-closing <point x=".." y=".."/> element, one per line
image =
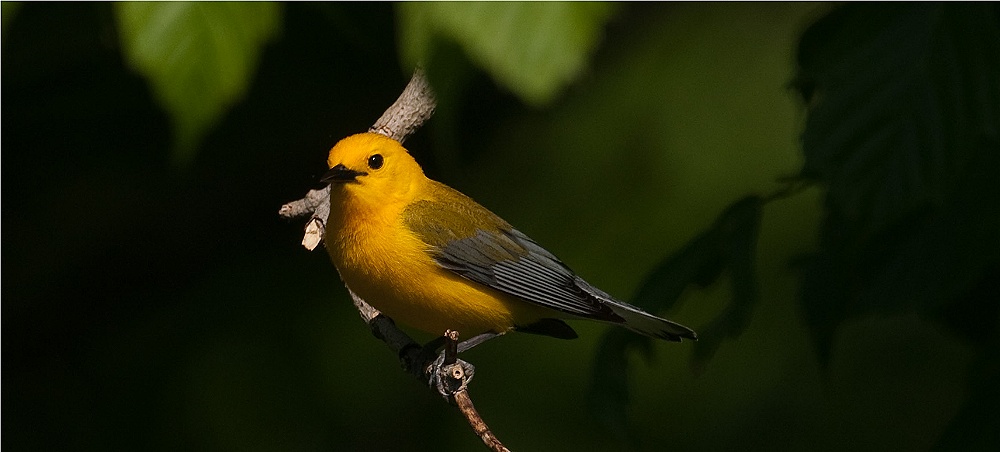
<point x="432" y="258"/>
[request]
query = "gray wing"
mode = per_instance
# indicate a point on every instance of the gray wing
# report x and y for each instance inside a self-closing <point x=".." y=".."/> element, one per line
<point x="511" y="262"/>
<point x="504" y="259"/>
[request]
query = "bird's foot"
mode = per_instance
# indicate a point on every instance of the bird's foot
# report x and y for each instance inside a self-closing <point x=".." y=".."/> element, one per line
<point x="446" y="372"/>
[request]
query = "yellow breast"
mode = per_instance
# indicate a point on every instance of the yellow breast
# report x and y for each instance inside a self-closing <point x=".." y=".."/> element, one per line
<point x="385" y="264"/>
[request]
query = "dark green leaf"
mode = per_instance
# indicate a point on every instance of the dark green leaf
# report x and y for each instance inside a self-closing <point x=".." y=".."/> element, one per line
<point x="894" y="104"/>
<point x="823" y="289"/>
<point x="9" y="10"/>
<point x="740" y="225"/>
<point x="608" y="398"/>
<point x="702" y="260"/>
<point x="903" y="132"/>
<point x="730" y="243"/>
<point x="699" y="262"/>
<point x="976" y="427"/>
<point x="198" y="57"/>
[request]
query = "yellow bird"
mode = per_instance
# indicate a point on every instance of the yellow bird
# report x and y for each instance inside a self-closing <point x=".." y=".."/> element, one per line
<point x="432" y="258"/>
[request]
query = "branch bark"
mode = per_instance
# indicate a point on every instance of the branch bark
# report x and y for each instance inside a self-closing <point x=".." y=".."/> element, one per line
<point x="410" y="111"/>
<point x="457" y="373"/>
<point x="444" y="372"/>
<point x="478" y="425"/>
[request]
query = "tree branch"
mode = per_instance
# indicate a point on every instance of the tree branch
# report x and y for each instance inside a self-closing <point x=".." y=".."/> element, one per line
<point x="444" y="372"/>
<point x="456" y="372"/>
<point x="478" y="425"/>
<point x="410" y="111"/>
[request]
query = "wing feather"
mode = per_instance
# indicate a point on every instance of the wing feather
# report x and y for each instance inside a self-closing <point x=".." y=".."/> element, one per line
<point x="504" y="259"/>
<point x="471" y="241"/>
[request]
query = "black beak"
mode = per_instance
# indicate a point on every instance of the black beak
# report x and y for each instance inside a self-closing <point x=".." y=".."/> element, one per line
<point x="341" y="174"/>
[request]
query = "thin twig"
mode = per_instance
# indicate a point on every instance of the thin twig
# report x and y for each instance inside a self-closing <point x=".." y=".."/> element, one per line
<point x="317" y="203"/>
<point x="459" y="379"/>
<point x="464" y="403"/>
<point x="306" y="205"/>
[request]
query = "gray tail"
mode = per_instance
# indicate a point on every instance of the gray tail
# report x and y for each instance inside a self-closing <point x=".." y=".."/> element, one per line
<point x="648" y="324"/>
<point x="637" y="320"/>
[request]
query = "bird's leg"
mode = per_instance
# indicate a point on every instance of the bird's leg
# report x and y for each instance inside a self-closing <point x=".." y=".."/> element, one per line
<point x="447" y="373"/>
<point x="429" y="352"/>
<point x="476" y="340"/>
<point x="441" y="367"/>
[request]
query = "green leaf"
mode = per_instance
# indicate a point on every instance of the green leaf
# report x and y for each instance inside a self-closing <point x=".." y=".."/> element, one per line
<point x="701" y="260"/>
<point x="730" y="243"/>
<point x="608" y="398"/>
<point x="198" y="57"/>
<point x="534" y="49"/>
<point x="903" y="132"/>
<point x="823" y="291"/>
<point x="9" y="10"/>
<point x="976" y="427"/>
<point x="739" y="225"/>
<point x="884" y="81"/>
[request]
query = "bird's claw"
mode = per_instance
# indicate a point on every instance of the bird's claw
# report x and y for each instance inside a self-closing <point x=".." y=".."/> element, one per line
<point x="449" y="378"/>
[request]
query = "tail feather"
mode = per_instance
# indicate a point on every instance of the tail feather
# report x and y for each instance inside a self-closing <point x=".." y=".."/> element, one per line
<point x="648" y="324"/>
<point x="637" y="320"/>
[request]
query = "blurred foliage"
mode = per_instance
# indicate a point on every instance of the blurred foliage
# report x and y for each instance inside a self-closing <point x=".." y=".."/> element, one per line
<point x="9" y="10"/>
<point x="535" y="49"/>
<point x="199" y="57"/>
<point x="903" y="131"/>
<point x="651" y="146"/>
<point x="730" y="244"/>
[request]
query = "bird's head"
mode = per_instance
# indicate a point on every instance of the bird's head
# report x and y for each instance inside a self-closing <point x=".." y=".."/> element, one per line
<point x="372" y="168"/>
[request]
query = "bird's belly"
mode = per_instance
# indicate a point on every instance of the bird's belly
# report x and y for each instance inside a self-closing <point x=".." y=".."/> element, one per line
<point x="413" y="290"/>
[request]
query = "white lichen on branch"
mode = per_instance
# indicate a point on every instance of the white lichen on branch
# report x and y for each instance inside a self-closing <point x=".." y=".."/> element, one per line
<point x="317" y="203"/>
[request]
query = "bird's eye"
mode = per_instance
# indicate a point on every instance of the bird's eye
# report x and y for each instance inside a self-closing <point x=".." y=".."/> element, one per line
<point x="375" y="161"/>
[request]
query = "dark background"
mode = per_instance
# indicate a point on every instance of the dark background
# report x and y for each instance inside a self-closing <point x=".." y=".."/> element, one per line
<point x="151" y="305"/>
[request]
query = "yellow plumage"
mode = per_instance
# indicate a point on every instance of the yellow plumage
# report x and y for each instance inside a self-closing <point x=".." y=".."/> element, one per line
<point x="432" y="258"/>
